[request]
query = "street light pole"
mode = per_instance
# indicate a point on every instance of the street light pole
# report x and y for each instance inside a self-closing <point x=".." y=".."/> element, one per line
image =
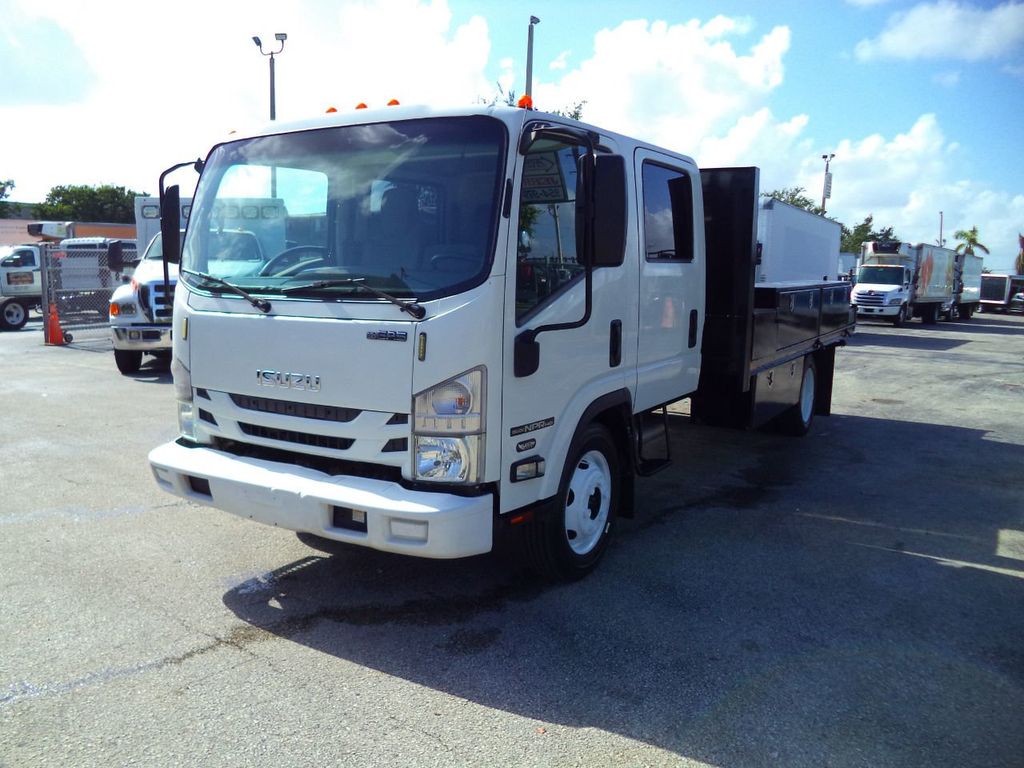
<point x="826" y="190"/>
<point x="529" y="56"/>
<point x="280" y="37"/>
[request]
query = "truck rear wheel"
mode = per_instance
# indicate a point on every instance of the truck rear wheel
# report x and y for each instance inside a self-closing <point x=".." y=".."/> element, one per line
<point x="798" y="418"/>
<point x="13" y="315"/>
<point x="568" y="543"/>
<point x="127" y="360"/>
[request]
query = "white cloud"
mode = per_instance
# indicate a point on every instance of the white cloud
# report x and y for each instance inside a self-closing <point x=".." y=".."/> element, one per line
<point x="671" y="84"/>
<point x="948" y="30"/>
<point x="153" y="105"/>
<point x="905" y="181"/>
<point x="561" y="61"/>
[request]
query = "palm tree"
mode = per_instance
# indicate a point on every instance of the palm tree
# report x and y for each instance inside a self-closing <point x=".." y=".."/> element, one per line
<point x="1018" y="265"/>
<point x="969" y="241"/>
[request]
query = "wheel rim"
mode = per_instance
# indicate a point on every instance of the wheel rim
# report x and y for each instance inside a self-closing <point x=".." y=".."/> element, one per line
<point x="588" y="502"/>
<point x="14" y="313"/>
<point x="807" y="395"/>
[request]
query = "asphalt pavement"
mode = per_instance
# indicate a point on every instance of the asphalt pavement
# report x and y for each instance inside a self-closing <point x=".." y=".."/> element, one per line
<point x="851" y="598"/>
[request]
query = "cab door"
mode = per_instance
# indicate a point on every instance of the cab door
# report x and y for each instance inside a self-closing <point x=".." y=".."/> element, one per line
<point x="670" y="311"/>
<point x="545" y="286"/>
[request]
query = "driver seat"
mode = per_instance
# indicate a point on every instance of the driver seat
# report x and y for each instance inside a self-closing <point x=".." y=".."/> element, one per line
<point x="395" y="237"/>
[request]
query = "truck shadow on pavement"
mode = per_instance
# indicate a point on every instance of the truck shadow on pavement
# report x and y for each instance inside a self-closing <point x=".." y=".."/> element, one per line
<point x="775" y="601"/>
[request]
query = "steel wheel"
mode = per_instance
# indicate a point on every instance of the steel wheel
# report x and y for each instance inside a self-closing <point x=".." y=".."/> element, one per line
<point x="588" y="502"/>
<point x="14" y="315"/>
<point x="567" y="541"/>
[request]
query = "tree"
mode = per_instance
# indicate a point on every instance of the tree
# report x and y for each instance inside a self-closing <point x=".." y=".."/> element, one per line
<point x="969" y="241"/>
<point x="1018" y="265"/>
<point x="105" y="203"/>
<point x="5" y="190"/>
<point x="795" y="196"/>
<point x="851" y="239"/>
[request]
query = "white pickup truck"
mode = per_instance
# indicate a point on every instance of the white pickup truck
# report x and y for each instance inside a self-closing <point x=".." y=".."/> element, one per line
<point x="20" y="285"/>
<point x="140" y="311"/>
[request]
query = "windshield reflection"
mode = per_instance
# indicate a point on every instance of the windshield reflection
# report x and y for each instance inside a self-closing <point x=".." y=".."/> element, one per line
<point x="409" y="208"/>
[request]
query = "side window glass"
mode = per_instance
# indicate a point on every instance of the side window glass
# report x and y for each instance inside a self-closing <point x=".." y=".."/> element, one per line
<point x="546" y="255"/>
<point x="668" y="214"/>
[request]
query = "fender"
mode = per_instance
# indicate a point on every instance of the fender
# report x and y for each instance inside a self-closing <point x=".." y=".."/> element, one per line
<point x="614" y="410"/>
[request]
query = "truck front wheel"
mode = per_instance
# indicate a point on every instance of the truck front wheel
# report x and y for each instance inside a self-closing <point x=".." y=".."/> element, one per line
<point x="901" y="317"/>
<point x="127" y="360"/>
<point x="13" y="315"/>
<point x="569" y="542"/>
<point x="797" y="419"/>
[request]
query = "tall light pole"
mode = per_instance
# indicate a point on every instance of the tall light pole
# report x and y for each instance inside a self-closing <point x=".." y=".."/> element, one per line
<point x="280" y="37"/>
<point x="826" y="190"/>
<point x="529" y="56"/>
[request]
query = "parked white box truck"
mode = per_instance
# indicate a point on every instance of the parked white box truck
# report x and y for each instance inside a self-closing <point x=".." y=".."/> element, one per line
<point x="470" y="330"/>
<point x="796" y="244"/>
<point x="897" y="281"/>
<point x="998" y="291"/>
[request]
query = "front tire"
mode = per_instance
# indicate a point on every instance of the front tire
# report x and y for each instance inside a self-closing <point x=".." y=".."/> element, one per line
<point x="568" y="543"/>
<point x="128" y="361"/>
<point x="901" y="317"/>
<point x="13" y="315"/>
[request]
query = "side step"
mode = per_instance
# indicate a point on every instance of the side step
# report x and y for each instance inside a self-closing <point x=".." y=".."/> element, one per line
<point x="652" y="443"/>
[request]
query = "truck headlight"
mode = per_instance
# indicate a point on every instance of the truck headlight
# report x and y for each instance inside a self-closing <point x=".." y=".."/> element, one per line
<point x="449" y="428"/>
<point x="183" y="394"/>
<point x="122" y="308"/>
<point x="895" y="302"/>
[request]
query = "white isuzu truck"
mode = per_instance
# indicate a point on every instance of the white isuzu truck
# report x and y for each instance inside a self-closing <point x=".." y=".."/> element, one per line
<point x="466" y="325"/>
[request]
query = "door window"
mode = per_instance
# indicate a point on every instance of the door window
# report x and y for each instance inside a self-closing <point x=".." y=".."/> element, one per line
<point x="546" y="253"/>
<point x="668" y="214"/>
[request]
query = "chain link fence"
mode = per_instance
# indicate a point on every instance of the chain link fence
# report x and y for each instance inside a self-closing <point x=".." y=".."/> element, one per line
<point x="78" y="281"/>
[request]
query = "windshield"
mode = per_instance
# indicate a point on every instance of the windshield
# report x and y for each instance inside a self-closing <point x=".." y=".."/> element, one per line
<point x="880" y="275"/>
<point x="408" y="207"/>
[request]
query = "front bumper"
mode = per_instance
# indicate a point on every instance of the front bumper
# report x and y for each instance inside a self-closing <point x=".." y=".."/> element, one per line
<point x="141" y="338"/>
<point x="885" y="311"/>
<point x="418" y="523"/>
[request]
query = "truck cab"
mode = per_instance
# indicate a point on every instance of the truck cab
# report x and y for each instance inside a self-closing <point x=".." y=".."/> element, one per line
<point x="884" y="290"/>
<point x="140" y="311"/>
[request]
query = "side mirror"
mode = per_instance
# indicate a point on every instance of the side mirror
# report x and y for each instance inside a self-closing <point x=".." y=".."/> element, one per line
<point x="607" y="218"/>
<point x="115" y="256"/>
<point x="170" y="215"/>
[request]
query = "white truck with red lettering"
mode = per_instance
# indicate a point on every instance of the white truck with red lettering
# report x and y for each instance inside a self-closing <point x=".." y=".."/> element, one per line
<point x="467" y="324"/>
<point x="20" y="285"/>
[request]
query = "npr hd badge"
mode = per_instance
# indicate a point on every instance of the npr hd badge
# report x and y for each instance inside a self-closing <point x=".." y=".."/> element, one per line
<point x="532" y="427"/>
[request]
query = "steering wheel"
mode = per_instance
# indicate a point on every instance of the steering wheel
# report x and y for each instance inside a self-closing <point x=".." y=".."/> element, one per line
<point x="288" y="260"/>
<point x="438" y="260"/>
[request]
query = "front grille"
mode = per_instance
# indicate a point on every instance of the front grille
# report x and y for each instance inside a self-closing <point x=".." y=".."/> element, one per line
<point x="327" y="465"/>
<point x="301" y="410"/>
<point x="863" y="300"/>
<point x="299" y="438"/>
<point x="154" y="301"/>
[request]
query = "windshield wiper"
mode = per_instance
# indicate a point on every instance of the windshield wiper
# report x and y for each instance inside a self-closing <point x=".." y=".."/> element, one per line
<point x="261" y="304"/>
<point x="412" y="306"/>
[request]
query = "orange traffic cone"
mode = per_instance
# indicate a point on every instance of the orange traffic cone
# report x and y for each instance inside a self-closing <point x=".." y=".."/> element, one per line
<point x="54" y="334"/>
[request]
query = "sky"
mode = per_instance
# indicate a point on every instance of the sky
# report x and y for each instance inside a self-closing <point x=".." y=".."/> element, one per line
<point x="920" y="101"/>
